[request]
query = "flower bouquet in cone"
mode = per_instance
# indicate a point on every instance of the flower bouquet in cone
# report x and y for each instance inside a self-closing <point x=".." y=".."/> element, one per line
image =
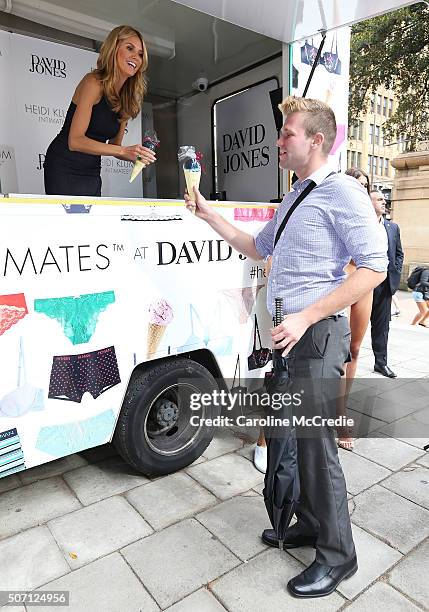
<point x="191" y="168"/>
<point x="150" y="141"/>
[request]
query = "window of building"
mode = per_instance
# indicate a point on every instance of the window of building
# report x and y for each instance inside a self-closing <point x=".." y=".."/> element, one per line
<point x="386" y="167"/>
<point x="381" y="136"/>
<point x="375" y="164"/>
<point x="384" y="106"/>
<point x="371" y="133"/>
<point x="378" y="104"/>
<point x="390" y="107"/>
<point x="369" y="163"/>
<point x="359" y="159"/>
<point x="372" y="102"/>
<point x="377" y="134"/>
<point x="348" y="159"/>
<point x="360" y="132"/>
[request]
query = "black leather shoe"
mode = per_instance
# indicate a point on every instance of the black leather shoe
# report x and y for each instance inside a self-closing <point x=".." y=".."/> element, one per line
<point x="319" y="580"/>
<point x="291" y="541"/>
<point x="385" y="371"/>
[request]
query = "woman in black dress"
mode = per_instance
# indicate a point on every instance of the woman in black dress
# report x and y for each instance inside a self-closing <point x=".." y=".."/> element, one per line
<point x="102" y="104"/>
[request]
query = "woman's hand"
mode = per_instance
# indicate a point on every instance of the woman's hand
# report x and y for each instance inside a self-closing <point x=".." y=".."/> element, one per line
<point x="132" y="152"/>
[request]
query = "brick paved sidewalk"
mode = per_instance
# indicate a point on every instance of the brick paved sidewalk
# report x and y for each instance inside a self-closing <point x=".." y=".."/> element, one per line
<point x="190" y="542"/>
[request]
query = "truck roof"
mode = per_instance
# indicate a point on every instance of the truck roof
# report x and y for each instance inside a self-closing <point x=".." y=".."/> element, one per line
<point x="292" y="20"/>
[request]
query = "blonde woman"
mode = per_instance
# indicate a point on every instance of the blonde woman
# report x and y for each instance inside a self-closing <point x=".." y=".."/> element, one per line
<point x="103" y="102"/>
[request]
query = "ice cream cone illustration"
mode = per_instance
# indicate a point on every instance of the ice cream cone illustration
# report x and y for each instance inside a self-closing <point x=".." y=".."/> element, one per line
<point x="191" y="168"/>
<point x="137" y="168"/>
<point x="160" y="315"/>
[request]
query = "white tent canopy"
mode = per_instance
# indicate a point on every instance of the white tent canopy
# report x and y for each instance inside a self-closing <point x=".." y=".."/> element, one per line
<point x="292" y="20"/>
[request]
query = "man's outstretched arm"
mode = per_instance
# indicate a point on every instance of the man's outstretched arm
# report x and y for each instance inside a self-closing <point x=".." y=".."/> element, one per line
<point x="241" y="241"/>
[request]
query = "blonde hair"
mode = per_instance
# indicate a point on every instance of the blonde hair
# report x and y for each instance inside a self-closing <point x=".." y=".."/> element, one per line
<point x="318" y="117"/>
<point x="129" y="100"/>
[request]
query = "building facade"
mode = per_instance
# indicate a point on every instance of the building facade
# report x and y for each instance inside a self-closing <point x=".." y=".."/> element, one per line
<point x="368" y="148"/>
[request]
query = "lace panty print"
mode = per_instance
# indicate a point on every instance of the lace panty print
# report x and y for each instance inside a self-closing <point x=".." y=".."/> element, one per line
<point x="77" y="315"/>
<point x="13" y="308"/>
<point x="242" y="300"/>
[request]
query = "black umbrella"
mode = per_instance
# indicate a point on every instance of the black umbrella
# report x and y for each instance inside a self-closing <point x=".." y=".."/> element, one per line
<point x="281" y="490"/>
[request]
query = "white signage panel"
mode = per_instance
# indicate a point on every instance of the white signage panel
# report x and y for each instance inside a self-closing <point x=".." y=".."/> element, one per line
<point x="41" y="80"/>
<point x="247" y="159"/>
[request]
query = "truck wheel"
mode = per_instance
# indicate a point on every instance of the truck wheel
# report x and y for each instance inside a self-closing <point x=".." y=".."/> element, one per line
<point x="154" y="433"/>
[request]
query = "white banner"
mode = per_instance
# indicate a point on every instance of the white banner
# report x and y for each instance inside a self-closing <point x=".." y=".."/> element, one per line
<point x="42" y="78"/>
<point x="247" y="160"/>
<point x="330" y="81"/>
<point x="8" y="178"/>
<point x="117" y="285"/>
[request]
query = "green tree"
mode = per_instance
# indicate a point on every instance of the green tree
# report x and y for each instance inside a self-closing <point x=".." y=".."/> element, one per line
<point x="393" y="50"/>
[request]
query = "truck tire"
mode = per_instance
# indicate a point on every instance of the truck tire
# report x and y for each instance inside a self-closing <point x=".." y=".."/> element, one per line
<point x="153" y="433"/>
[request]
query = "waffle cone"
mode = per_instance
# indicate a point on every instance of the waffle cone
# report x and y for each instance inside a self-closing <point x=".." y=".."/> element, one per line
<point x="137" y="168"/>
<point x="192" y="179"/>
<point x="154" y="336"/>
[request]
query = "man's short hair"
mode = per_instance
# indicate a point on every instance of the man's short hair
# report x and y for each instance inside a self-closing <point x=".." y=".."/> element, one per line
<point x="318" y="117"/>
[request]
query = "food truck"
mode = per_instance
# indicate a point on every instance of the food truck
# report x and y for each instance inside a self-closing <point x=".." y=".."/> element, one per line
<point x="113" y="310"/>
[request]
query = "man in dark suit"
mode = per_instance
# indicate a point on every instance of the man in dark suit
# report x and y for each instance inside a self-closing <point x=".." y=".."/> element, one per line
<point x="382" y="300"/>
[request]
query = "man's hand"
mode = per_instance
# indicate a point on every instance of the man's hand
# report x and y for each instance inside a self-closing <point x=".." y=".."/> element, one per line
<point x="290" y="331"/>
<point x="197" y="204"/>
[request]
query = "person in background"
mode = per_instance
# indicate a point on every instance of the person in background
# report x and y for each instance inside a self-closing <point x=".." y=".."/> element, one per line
<point x="335" y="222"/>
<point x="421" y="298"/>
<point x="103" y="102"/>
<point x="395" y="303"/>
<point x="382" y="297"/>
<point x="360" y="313"/>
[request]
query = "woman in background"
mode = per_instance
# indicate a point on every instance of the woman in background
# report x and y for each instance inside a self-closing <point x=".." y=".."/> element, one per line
<point x="421" y="298"/>
<point x="103" y="102"/>
<point x="360" y="314"/>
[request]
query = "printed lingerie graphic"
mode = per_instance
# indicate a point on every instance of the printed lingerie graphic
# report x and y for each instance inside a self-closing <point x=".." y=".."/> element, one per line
<point x="77" y="315"/>
<point x="77" y="208"/>
<point x="152" y="217"/>
<point x="73" y="375"/>
<point x="220" y="346"/>
<point x="329" y="59"/>
<point x="253" y="214"/>
<point x="25" y="398"/>
<point x="11" y="455"/>
<point x="259" y="357"/>
<point x="242" y="300"/>
<point x="13" y="308"/>
<point x="67" y="438"/>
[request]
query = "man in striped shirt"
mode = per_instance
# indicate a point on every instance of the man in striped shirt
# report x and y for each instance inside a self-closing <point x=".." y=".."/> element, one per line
<point x="333" y="224"/>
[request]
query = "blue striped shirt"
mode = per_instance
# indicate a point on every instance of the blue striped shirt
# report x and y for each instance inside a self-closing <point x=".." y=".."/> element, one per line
<point x="336" y="222"/>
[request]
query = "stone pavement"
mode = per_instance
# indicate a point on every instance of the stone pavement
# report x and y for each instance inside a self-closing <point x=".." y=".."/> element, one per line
<point x="189" y="542"/>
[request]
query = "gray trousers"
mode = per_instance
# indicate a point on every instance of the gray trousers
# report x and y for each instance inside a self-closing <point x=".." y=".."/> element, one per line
<point x="315" y="367"/>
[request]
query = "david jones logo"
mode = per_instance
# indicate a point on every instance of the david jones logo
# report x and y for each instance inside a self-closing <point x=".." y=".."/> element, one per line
<point x="48" y="65"/>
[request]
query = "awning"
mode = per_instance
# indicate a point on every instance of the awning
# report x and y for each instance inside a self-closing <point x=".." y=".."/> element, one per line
<point x="291" y="20"/>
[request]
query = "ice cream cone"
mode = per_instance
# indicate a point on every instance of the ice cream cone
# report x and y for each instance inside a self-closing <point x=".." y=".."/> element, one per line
<point x="154" y="336"/>
<point x="137" y="168"/>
